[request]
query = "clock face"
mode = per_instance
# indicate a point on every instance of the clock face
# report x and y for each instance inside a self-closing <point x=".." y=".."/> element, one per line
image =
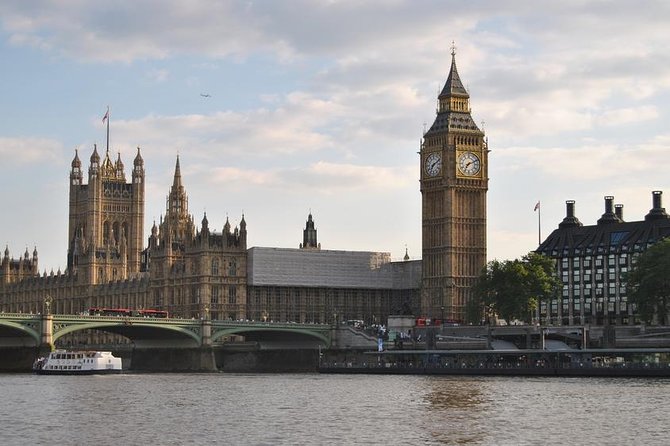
<point x="469" y="164"/>
<point x="433" y="164"/>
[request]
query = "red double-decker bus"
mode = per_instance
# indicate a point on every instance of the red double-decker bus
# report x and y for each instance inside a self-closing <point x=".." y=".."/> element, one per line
<point x="127" y="312"/>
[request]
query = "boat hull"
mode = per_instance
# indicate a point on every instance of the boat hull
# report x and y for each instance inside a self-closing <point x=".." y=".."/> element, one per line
<point x="77" y="372"/>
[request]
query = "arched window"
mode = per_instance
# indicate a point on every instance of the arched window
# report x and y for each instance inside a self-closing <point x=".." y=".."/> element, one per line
<point x="116" y="229"/>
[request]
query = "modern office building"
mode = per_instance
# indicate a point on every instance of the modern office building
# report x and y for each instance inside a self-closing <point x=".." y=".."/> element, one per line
<point x="591" y="262"/>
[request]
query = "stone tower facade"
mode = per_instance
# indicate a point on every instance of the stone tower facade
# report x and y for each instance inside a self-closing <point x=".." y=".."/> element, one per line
<point x="192" y="273"/>
<point x="106" y="221"/>
<point x="454" y="182"/>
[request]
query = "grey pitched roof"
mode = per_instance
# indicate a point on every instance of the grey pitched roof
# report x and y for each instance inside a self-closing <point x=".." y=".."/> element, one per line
<point x="333" y="269"/>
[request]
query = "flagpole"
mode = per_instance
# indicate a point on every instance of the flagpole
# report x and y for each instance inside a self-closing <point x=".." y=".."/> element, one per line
<point x="107" y="128"/>
<point x="539" y="224"/>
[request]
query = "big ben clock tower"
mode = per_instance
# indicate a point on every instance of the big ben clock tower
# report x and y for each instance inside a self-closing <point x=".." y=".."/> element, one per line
<point x="454" y="181"/>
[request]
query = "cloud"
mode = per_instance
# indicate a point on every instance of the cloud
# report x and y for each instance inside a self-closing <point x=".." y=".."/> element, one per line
<point x="20" y="151"/>
<point x="569" y="93"/>
<point x="320" y="177"/>
<point x="627" y="115"/>
<point x="158" y="75"/>
<point x="592" y="162"/>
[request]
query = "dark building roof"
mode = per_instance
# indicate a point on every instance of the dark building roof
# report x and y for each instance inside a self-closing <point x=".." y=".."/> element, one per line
<point x="447" y="120"/>
<point x="453" y="86"/>
<point x="611" y="235"/>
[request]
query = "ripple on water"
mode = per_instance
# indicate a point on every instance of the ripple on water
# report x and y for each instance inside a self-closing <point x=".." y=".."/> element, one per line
<point x="287" y="409"/>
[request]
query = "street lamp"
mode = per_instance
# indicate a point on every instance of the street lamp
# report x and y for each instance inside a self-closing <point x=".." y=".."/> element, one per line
<point x="47" y="305"/>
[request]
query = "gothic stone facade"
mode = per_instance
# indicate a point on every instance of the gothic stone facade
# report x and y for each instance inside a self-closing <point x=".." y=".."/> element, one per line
<point x="193" y="272"/>
<point x="454" y="182"/>
<point x="184" y="271"/>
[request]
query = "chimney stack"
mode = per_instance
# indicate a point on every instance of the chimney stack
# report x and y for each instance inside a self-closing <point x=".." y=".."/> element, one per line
<point x="618" y="211"/>
<point x="657" y="211"/>
<point x="608" y="216"/>
<point x="570" y="220"/>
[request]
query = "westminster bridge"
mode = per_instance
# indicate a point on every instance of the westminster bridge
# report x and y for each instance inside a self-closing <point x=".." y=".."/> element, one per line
<point x="157" y="343"/>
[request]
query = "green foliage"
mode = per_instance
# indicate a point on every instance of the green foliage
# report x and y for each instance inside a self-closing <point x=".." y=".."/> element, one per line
<point x="474" y="312"/>
<point x="512" y="289"/>
<point x="649" y="282"/>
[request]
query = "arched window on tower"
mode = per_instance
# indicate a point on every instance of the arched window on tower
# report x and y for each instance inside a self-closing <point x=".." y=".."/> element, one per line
<point x="232" y="269"/>
<point x="105" y="232"/>
<point x="115" y="232"/>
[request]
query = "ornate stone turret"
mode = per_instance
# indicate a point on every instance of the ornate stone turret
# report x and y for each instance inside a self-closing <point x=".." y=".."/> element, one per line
<point x="138" y="168"/>
<point x="120" y="174"/>
<point x="75" y="174"/>
<point x="94" y="167"/>
<point x="309" y="240"/>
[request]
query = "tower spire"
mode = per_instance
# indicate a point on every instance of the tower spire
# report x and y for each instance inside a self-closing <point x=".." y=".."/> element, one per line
<point x="176" y="183"/>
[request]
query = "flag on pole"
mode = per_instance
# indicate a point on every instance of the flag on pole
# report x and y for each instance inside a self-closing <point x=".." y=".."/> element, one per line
<point x="537" y="206"/>
<point x="106" y="117"/>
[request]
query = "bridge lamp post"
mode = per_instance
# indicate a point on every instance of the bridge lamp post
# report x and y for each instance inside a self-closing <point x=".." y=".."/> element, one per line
<point x="47" y="305"/>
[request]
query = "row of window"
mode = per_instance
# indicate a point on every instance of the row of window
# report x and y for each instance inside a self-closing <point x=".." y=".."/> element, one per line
<point x="586" y="262"/>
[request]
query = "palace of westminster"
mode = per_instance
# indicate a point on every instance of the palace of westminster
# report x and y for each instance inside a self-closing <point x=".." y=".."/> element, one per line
<point x="193" y="272"/>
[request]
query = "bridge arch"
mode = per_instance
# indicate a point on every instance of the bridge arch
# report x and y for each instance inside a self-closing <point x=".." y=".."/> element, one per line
<point x="219" y="333"/>
<point x="31" y="332"/>
<point x="125" y="328"/>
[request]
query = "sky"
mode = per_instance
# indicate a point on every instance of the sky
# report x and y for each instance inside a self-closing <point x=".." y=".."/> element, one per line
<point x="320" y="106"/>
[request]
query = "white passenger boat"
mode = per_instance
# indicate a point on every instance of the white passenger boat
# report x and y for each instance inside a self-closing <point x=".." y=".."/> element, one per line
<point x="62" y="362"/>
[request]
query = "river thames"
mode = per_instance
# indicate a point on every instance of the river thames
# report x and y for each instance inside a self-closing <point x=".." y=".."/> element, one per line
<point x="289" y="409"/>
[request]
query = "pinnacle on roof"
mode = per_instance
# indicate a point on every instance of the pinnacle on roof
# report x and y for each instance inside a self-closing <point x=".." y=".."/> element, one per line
<point x="95" y="158"/>
<point x="138" y="159"/>
<point x="76" y="162"/>
<point x="119" y="163"/>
